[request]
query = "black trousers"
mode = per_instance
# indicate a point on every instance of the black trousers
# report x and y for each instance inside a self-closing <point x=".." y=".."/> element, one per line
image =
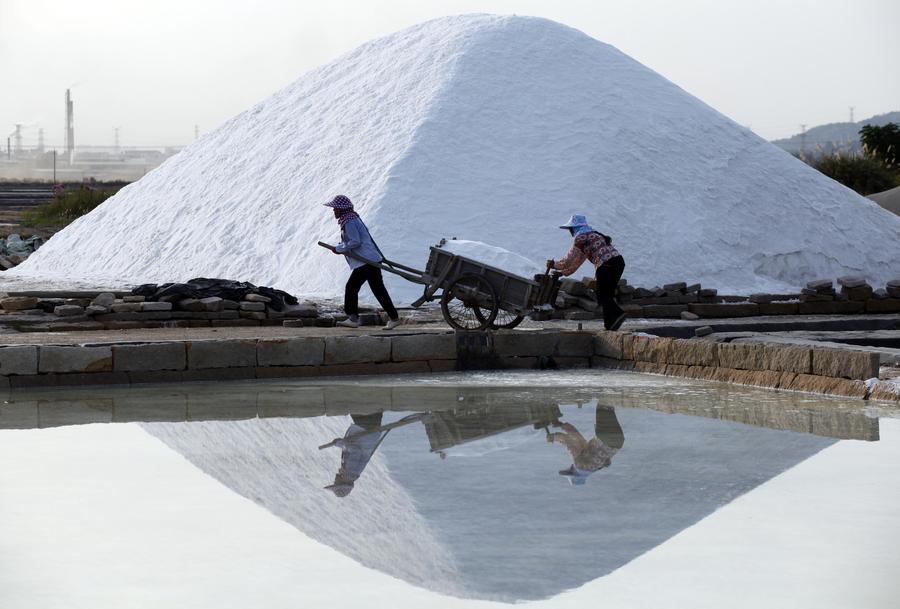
<point x="608" y="275"/>
<point x="359" y="276"/>
<point x="607" y="427"/>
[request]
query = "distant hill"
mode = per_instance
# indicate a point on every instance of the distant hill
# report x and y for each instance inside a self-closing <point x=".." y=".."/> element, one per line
<point x="833" y="137"/>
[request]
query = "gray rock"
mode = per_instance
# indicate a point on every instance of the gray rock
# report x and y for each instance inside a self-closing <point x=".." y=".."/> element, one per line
<point x="678" y="286"/>
<point x="295" y="323"/>
<point x="191" y="304"/>
<point x="257" y="315"/>
<point x="850" y="281"/>
<point x="18" y="360"/>
<point x="257" y="298"/>
<point x="96" y="310"/>
<point x="156" y="306"/>
<point x="74" y="359"/>
<point x="694" y="287"/>
<point x="703" y="331"/>
<point x="707" y="292"/>
<point x="68" y="310"/>
<point x="301" y="310"/>
<point x="820" y="285"/>
<point x="689" y="316"/>
<point x="893" y="291"/>
<point x="133" y="298"/>
<point x="231" y="305"/>
<point x="291" y="352"/>
<point x="893" y="283"/>
<point x="105" y="299"/>
<point x="18" y="303"/>
<point x="252" y="306"/>
<point x="573" y="287"/>
<point x="150" y="356"/>
<point x="213" y="303"/>
<point x="126" y="307"/>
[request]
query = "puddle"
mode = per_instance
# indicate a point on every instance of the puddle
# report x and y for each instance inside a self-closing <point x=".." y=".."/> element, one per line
<point x="555" y="489"/>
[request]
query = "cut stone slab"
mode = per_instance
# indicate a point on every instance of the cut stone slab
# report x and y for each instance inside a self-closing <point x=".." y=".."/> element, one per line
<point x="257" y="298"/>
<point x="678" y="286"/>
<point x="213" y="303"/>
<point x="851" y="281"/>
<point x="608" y="344"/>
<point x="191" y="304"/>
<point x="257" y="315"/>
<point x="18" y="303"/>
<point x="20" y="359"/>
<point x="221" y="354"/>
<point x="689" y="316"/>
<point x="67" y="310"/>
<point x="252" y="306"/>
<point x="52" y="358"/>
<point x="841" y="363"/>
<point x="820" y="285"/>
<point x="156" y="306"/>
<point x="150" y="356"/>
<point x="126" y="307"/>
<point x="134" y="298"/>
<point x="703" y="331"/>
<point x="96" y="310"/>
<point x="357" y="349"/>
<point x="231" y="305"/>
<point x="419" y="347"/>
<point x="291" y="352"/>
<point x="104" y="299"/>
<point x="883" y="305"/>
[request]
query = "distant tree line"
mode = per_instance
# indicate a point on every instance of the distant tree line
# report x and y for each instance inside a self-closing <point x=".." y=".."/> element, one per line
<point x="875" y="170"/>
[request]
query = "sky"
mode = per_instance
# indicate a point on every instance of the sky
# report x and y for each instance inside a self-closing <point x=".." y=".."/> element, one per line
<point x="155" y="69"/>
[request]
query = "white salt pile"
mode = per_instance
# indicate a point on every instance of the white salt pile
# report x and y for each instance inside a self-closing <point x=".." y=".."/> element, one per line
<point x="494" y="256"/>
<point x="487" y="128"/>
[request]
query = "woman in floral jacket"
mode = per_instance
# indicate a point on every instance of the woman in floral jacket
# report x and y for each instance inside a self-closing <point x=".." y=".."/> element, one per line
<point x="596" y="247"/>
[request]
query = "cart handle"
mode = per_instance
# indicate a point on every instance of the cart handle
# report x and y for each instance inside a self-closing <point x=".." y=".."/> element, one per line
<point x="408" y="273"/>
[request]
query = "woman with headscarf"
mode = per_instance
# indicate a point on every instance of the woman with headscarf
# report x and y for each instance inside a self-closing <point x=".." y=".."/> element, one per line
<point x="595" y="246"/>
<point x="356" y="240"/>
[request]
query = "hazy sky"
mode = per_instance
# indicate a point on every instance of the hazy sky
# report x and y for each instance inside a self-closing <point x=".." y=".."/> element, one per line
<point x="155" y="68"/>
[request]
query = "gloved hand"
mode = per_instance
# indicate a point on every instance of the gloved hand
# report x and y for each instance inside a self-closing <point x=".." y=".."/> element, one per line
<point x="550" y="263"/>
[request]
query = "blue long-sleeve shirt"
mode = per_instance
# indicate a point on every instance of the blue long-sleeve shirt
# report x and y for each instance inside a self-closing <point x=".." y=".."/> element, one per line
<point x="355" y="238"/>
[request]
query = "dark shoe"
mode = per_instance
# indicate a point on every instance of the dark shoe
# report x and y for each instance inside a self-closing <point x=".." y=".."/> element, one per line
<point x="619" y="321"/>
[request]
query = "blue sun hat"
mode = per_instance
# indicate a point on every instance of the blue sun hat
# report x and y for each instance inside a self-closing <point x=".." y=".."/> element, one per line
<point x="576" y="221"/>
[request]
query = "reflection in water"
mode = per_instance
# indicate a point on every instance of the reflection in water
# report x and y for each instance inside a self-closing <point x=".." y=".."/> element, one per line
<point x="588" y="456"/>
<point x="495" y="523"/>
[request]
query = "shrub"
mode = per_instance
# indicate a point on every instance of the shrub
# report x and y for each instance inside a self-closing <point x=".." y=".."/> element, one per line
<point x="863" y="174"/>
<point x="66" y="206"/>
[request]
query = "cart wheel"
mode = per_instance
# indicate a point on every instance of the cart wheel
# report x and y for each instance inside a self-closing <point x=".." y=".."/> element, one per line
<point x="469" y="303"/>
<point x="504" y="320"/>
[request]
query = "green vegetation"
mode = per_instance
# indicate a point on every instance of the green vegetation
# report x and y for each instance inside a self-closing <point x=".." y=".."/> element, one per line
<point x="882" y="144"/>
<point x="66" y="206"/>
<point x="876" y="170"/>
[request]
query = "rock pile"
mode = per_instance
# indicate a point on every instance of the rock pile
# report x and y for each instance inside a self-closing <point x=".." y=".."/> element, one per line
<point x="14" y="250"/>
<point x="577" y="300"/>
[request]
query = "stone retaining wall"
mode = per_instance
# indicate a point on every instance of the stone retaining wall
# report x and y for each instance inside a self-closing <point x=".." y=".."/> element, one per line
<point x="819" y="370"/>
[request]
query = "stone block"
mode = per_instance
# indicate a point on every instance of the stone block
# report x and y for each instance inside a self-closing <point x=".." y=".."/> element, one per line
<point x="134" y="316"/>
<point x="670" y="311"/>
<point x="519" y="344"/>
<point x="213" y="303"/>
<point x="885" y="391"/>
<point x="688" y="352"/>
<point x="149" y="356"/>
<point x="785" y="358"/>
<point x="818" y="308"/>
<point x="74" y="324"/>
<point x="52" y="358"/>
<point x="294" y="323"/>
<point x="820" y="285"/>
<point x="703" y="331"/>
<point x="357" y="349"/>
<point x="22" y="359"/>
<point x="677" y="370"/>
<point x="687" y="315"/>
<point x="563" y="361"/>
<point x="845" y="363"/>
<point x="96" y="310"/>
<point x="442" y="365"/>
<point x="67" y="310"/>
<point x="649" y="367"/>
<point x="743" y="309"/>
<point x="125" y="307"/>
<point x="883" y="305"/>
<point x="134" y="298"/>
<point x="849" y="388"/>
<point x="651" y="349"/>
<point x="257" y="315"/>
<point x="575" y="344"/>
<point x="207" y="354"/>
<point x="608" y="344"/>
<point x="679" y="286"/>
<point x="423" y="347"/>
<point x="230" y="305"/>
<point x="104" y="299"/>
<point x="742" y="356"/>
<point x="156" y="306"/>
<point x="573" y="287"/>
<point x="519" y="363"/>
<point x="291" y="352"/>
<point x="190" y="304"/>
<point x="18" y="303"/>
<point x="301" y="310"/>
<point x="779" y="308"/>
<point x="257" y="298"/>
<point x="252" y="306"/>
<point x="851" y="282"/>
<point x="859" y="293"/>
<point x="579" y="315"/>
<point x="587" y="304"/>
<point x="812" y="383"/>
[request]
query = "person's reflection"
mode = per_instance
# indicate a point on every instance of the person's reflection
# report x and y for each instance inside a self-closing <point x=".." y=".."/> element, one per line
<point x="357" y="447"/>
<point x="591" y="455"/>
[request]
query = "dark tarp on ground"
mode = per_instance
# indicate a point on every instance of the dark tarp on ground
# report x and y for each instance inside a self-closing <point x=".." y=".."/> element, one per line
<point x="202" y="287"/>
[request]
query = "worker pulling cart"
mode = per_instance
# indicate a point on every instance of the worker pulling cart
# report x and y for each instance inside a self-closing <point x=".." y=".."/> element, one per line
<point x="473" y="295"/>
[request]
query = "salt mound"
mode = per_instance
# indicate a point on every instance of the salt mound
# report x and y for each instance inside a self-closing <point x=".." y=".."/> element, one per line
<point x="489" y="128"/>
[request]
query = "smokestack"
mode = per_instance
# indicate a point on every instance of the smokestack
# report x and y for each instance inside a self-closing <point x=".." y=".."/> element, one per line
<point x="70" y="127"/>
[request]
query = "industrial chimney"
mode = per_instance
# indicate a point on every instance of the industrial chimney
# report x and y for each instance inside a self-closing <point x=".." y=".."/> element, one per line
<point x="70" y="128"/>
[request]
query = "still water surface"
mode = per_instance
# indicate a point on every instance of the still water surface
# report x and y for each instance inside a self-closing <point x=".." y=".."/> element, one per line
<point x="557" y="489"/>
